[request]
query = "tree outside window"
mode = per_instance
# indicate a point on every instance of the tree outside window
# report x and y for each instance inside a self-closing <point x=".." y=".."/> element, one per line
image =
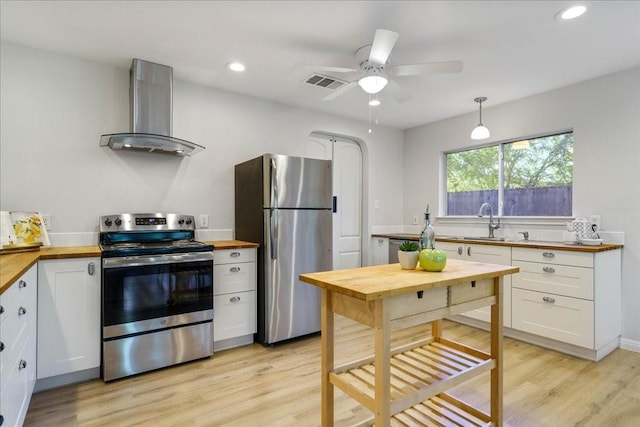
<point x="532" y="177"/>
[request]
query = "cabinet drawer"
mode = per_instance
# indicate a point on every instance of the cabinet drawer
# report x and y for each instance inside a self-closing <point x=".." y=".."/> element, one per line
<point x="236" y="277"/>
<point x="471" y="291"/>
<point x="549" y="256"/>
<point x="234" y="315"/>
<point x="409" y="304"/>
<point x="557" y="317"/>
<point x="555" y="279"/>
<point x="225" y="256"/>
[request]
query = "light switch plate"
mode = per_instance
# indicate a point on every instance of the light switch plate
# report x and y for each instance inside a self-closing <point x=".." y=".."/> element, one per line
<point x="204" y="221"/>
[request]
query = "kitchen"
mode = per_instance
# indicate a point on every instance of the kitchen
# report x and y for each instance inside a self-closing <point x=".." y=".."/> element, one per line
<point x="55" y="106"/>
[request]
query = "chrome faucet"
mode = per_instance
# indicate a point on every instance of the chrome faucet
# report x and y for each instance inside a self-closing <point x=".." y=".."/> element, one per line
<point x="492" y="226"/>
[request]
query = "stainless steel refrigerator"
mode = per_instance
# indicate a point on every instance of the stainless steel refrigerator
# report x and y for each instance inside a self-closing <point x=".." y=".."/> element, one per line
<point x="285" y="204"/>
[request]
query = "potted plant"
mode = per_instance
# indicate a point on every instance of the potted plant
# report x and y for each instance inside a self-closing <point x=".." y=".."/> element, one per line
<point x="408" y="255"/>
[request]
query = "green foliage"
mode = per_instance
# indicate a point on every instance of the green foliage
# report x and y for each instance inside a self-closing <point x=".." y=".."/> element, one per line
<point x="409" y="246"/>
<point x="538" y="162"/>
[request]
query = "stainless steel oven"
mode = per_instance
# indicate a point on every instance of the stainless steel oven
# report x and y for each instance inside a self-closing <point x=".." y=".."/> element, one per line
<point x="157" y="293"/>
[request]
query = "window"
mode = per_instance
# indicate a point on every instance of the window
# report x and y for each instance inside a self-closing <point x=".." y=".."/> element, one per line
<point x="530" y="177"/>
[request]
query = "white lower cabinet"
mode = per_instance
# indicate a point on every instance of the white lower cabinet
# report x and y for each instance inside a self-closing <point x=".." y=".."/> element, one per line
<point x="69" y="316"/>
<point x="491" y="254"/>
<point x="18" y="321"/>
<point x="569" y="296"/>
<point x="234" y="301"/>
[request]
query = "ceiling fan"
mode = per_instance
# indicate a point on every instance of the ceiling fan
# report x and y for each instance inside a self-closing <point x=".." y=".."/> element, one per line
<point x="375" y="70"/>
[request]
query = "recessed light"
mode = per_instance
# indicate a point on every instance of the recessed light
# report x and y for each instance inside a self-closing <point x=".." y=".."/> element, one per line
<point x="571" y="12"/>
<point x="374" y="102"/>
<point x="235" y="66"/>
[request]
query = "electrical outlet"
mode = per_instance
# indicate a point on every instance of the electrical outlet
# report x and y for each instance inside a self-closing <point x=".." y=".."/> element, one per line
<point x="414" y="219"/>
<point x="47" y="221"/>
<point x="204" y="220"/>
<point x="376" y="204"/>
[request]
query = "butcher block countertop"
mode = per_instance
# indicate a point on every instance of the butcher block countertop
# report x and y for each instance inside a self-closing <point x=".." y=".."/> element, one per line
<point x="533" y="244"/>
<point x="382" y="281"/>
<point x="14" y="265"/>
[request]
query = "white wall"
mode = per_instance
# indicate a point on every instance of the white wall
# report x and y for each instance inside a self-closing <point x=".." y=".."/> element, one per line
<point x="604" y="114"/>
<point x="54" y="109"/>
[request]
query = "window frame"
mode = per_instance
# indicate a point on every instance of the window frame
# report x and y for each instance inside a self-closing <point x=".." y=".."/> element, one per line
<point x="551" y="220"/>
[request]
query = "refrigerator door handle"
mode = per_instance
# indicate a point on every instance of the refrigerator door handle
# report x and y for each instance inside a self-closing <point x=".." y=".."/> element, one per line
<point x="273" y="233"/>
<point x="274" y="184"/>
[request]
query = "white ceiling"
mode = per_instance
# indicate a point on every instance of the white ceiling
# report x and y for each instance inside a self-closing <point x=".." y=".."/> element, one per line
<point x="510" y="49"/>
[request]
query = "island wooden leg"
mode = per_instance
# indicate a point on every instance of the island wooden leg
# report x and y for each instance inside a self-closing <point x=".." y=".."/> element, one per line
<point x="382" y="364"/>
<point x="496" y="354"/>
<point x="327" y="354"/>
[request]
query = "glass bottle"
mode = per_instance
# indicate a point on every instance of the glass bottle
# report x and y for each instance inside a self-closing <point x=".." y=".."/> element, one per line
<point x="428" y="233"/>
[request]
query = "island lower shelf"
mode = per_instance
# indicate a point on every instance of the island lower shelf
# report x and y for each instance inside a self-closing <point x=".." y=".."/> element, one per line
<point x="419" y="373"/>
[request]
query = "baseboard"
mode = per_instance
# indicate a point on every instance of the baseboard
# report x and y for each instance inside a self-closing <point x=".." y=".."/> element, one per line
<point x="630" y="345"/>
<point x="66" y="379"/>
<point x="232" y="342"/>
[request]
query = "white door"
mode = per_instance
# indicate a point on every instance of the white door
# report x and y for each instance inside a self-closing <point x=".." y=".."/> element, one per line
<point x="347" y="189"/>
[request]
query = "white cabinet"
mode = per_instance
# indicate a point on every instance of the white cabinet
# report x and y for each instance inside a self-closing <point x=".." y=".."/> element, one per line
<point x="69" y="316"/>
<point x="234" y="301"/>
<point x="379" y="250"/>
<point x="491" y="254"/>
<point x="18" y="320"/>
<point x="568" y="296"/>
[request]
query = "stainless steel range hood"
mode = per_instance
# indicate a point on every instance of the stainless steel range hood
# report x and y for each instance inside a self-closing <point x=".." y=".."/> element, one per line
<point x="151" y="96"/>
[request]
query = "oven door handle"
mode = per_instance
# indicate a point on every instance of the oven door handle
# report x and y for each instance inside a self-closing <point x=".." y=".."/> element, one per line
<point x="134" y="261"/>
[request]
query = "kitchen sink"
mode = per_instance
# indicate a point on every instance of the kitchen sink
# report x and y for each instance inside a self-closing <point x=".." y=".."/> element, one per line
<point x="491" y="239"/>
<point x="487" y="239"/>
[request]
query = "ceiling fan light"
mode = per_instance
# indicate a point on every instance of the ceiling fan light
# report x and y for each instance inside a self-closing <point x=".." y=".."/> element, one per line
<point x="374" y="102"/>
<point x="480" y="132"/>
<point x="373" y="83"/>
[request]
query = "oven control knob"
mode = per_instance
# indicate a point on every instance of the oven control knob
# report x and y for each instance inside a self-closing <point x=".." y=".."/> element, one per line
<point x="181" y="221"/>
<point x="108" y="222"/>
<point x="189" y="221"/>
<point x="118" y="222"/>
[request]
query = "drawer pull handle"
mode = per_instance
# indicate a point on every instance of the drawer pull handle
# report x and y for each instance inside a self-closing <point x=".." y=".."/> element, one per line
<point x="91" y="269"/>
<point x="550" y="300"/>
<point x="420" y="294"/>
<point x="235" y="254"/>
<point x="469" y="251"/>
<point x="1" y="309"/>
<point x="22" y="284"/>
<point x="1" y="346"/>
<point x="22" y="311"/>
<point x="459" y="250"/>
<point x="550" y="255"/>
<point x="234" y="269"/>
<point x="548" y="269"/>
<point x="22" y="364"/>
<point x="234" y="299"/>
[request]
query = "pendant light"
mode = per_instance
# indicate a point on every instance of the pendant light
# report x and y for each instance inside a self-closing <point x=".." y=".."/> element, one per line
<point x="480" y="131"/>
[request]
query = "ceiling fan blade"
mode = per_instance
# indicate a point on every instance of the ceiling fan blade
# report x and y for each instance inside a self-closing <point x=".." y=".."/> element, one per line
<point x="329" y="68"/>
<point x="383" y="42"/>
<point x="397" y="92"/>
<point x="339" y="92"/>
<point x="428" y="68"/>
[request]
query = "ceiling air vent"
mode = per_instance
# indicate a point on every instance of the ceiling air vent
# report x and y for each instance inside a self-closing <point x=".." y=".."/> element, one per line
<point x="325" y="81"/>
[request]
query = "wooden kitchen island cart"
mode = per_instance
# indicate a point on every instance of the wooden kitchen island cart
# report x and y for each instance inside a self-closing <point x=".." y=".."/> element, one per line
<point x="406" y="385"/>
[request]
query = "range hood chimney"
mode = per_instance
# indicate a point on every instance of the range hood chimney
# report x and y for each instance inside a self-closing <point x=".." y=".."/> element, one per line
<point x="151" y="97"/>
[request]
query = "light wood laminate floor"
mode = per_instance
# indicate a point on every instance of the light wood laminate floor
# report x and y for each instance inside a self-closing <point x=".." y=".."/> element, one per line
<point x="280" y="386"/>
